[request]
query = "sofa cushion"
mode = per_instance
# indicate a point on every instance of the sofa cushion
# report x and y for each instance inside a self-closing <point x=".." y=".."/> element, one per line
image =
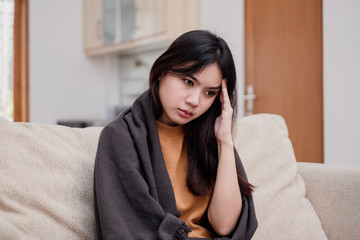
<point x="282" y="210"/>
<point x="46" y="179"/>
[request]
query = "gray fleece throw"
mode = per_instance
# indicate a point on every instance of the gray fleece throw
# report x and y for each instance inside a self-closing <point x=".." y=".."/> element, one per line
<point x="134" y="198"/>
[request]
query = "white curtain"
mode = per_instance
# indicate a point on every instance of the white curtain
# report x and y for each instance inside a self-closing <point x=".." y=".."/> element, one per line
<point x="6" y="58"/>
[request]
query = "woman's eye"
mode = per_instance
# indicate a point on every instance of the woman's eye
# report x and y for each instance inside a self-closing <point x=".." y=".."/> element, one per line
<point x="210" y="93"/>
<point x="189" y="82"/>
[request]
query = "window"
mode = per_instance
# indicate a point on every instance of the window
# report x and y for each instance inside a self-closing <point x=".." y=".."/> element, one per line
<point x="14" y="59"/>
<point x="6" y="58"/>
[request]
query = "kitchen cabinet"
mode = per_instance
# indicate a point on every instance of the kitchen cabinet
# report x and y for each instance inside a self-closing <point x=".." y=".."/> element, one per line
<point x="126" y="26"/>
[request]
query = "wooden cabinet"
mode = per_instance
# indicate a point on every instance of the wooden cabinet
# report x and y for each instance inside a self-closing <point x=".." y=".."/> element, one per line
<point x="123" y="26"/>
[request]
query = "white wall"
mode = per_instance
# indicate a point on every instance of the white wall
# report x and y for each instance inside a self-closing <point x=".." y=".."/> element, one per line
<point x="226" y="18"/>
<point x="342" y="81"/>
<point x="64" y="83"/>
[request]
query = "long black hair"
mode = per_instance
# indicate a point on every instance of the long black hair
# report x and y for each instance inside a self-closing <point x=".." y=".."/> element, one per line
<point x="189" y="54"/>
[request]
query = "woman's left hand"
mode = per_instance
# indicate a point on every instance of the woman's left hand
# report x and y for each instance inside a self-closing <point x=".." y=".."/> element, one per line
<point x="224" y="212"/>
<point x="223" y="123"/>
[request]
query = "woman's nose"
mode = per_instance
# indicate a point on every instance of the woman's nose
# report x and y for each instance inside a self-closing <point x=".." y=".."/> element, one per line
<point x="193" y="99"/>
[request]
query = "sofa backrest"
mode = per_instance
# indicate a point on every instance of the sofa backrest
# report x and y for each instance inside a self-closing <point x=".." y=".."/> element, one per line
<point x="46" y="180"/>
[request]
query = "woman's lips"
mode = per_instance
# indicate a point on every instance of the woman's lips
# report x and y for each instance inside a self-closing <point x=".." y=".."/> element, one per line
<point x="184" y="113"/>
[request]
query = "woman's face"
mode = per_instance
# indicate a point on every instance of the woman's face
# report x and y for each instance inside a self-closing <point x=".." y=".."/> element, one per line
<point x="186" y="98"/>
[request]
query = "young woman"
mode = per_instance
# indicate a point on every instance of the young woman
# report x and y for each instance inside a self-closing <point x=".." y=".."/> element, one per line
<point x="166" y="168"/>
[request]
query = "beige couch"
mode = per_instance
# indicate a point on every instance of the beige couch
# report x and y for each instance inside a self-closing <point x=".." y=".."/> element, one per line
<point x="46" y="184"/>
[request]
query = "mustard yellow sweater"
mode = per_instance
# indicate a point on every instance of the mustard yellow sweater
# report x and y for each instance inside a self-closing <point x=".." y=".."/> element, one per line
<point x="191" y="207"/>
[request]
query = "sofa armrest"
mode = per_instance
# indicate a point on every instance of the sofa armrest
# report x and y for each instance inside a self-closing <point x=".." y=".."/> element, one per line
<point x="335" y="195"/>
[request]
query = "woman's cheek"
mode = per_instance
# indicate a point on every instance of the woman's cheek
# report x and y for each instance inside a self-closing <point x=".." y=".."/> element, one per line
<point x="209" y="104"/>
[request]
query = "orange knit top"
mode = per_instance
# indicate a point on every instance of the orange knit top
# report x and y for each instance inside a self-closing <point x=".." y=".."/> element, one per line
<point x="191" y="207"/>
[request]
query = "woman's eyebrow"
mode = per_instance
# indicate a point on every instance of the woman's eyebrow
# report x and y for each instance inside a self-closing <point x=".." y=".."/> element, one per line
<point x="192" y="77"/>
<point x="196" y="80"/>
<point x="215" y="88"/>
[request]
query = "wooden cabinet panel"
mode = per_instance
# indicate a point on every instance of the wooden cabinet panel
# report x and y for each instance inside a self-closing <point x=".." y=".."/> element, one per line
<point x="156" y="24"/>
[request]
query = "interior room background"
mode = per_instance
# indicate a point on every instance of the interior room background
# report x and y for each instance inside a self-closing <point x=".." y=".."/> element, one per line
<point x="66" y="84"/>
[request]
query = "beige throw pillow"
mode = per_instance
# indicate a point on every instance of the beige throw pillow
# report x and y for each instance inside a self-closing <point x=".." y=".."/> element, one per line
<point x="46" y="180"/>
<point x="282" y="210"/>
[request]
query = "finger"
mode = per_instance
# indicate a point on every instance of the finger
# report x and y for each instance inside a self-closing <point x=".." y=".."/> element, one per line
<point x="225" y="91"/>
<point x="225" y="96"/>
<point x="222" y="97"/>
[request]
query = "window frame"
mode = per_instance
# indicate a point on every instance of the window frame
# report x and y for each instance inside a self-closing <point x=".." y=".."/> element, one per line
<point x="21" y="61"/>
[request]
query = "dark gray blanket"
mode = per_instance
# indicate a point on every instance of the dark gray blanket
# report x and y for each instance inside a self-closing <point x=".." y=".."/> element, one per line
<point x="134" y="198"/>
